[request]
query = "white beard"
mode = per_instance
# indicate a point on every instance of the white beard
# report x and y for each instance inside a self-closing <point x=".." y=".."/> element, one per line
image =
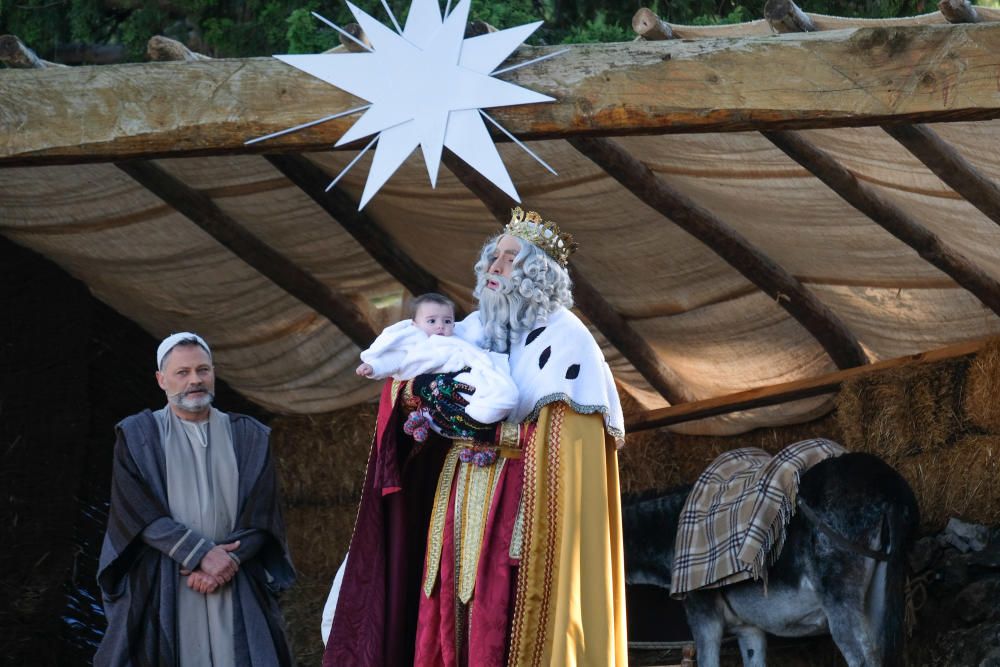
<point x="505" y="315"/>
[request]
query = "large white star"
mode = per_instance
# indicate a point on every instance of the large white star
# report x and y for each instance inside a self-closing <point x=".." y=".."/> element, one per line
<point x="426" y="87"/>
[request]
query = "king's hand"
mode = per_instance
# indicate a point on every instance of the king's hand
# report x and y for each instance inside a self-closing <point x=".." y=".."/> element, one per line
<point x="441" y="395"/>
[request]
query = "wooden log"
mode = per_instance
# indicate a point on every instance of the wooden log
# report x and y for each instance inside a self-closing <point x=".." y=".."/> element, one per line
<point x="950" y="167"/>
<point x="355" y="31"/>
<point x="202" y="211"/>
<point x="477" y="28"/>
<point x="164" y="49"/>
<point x="828" y="329"/>
<point x="958" y="11"/>
<point x="890" y="217"/>
<point x="785" y="16"/>
<point x="786" y="391"/>
<point x="587" y="298"/>
<point x="649" y="26"/>
<point x="15" y="54"/>
<point x="863" y="76"/>
<point x="312" y="180"/>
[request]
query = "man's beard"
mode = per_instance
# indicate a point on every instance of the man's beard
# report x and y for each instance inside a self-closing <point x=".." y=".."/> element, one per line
<point x="504" y="314"/>
<point x="196" y="404"/>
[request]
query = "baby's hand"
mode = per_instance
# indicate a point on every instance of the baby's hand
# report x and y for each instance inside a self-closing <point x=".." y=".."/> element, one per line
<point x="365" y="370"/>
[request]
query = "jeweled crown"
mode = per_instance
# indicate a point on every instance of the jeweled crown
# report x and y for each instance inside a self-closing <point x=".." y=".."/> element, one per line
<point x="545" y="234"/>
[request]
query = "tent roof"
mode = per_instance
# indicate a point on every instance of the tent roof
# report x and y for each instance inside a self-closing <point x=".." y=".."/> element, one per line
<point x="713" y="262"/>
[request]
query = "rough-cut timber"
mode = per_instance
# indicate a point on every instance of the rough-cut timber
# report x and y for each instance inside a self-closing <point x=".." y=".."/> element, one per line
<point x="828" y="329"/>
<point x="787" y="391"/>
<point x="950" y="167"/>
<point x="587" y="299"/>
<point x="889" y="216"/>
<point x="862" y="76"/>
<point x="202" y="211"/>
<point x="312" y="180"/>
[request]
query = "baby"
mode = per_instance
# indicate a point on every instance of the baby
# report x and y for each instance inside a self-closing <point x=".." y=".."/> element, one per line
<point x="424" y="344"/>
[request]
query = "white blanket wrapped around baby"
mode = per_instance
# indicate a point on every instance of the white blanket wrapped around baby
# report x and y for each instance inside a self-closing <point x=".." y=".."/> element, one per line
<point x="403" y="351"/>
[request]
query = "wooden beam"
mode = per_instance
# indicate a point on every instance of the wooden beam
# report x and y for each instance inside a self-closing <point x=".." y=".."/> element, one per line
<point x="784" y="16"/>
<point x="312" y="180"/>
<point x="730" y="245"/>
<point x="890" y="217"/>
<point x="851" y="77"/>
<point x="587" y="299"/>
<point x="202" y="211"/>
<point x="787" y="391"/>
<point x="950" y="167"/>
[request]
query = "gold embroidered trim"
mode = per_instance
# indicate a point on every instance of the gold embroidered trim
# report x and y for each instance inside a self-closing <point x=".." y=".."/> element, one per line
<point x="518" y="631"/>
<point x="477" y="498"/>
<point x="439" y="513"/>
<point x="517" y="537"/>
<point x="510" y="435"/>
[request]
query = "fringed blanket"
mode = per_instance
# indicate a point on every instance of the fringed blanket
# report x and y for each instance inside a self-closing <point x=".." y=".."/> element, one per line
<point x="733" y="522"/>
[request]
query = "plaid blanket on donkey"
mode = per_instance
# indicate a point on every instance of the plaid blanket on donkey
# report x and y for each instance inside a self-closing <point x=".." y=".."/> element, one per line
<point x="733" y="522"/>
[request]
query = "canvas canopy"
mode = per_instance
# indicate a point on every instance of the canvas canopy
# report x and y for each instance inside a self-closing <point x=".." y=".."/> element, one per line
<point x="712" y="330"/>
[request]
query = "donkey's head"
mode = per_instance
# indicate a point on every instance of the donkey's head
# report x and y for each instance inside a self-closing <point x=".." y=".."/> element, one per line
<point x="649" y="525"/>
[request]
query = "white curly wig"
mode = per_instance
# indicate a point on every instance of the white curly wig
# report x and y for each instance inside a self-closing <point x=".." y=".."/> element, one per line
<point x="538" y="286"/>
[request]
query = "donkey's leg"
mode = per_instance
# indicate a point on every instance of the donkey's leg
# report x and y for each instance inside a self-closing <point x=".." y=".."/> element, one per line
<point x="852" y="633"/>
<point x="753" y="646"/>
<point x="705" y="619"/>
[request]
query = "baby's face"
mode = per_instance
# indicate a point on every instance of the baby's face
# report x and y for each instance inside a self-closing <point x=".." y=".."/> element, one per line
<point x="435" y="318"/>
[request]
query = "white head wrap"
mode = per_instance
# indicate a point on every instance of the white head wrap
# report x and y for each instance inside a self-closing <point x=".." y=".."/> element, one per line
<point x="171" y="341"/>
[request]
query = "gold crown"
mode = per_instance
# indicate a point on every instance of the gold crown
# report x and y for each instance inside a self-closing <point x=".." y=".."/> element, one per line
<point x="529" y="226"/>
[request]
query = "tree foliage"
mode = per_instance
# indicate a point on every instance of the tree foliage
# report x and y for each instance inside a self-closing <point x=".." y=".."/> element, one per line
<point x="240" y="28"/>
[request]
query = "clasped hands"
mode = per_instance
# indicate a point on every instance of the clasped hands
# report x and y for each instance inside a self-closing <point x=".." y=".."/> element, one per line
<point x="216" y="569"/>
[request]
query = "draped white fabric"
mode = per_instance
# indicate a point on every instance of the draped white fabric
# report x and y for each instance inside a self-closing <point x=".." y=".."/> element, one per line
<point x="716" y="331"/>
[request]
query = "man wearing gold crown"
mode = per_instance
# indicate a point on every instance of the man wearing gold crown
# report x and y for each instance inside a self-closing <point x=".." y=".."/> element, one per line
<point x="500" y="545"/>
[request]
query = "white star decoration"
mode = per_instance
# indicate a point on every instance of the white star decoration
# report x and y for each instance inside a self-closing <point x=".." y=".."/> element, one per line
<point x="426" y="86"/>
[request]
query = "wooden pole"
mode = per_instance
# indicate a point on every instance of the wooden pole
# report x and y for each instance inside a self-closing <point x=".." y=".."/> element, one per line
<point x="785" y="16"/>
<point x="950" y="167"/>
<point x="312" y="180"/>
<point x="958" y="11"/>
<point x="587" y="298"/>
<point x="888" y="216"/>
<point x="202" y="211"/>
<point x="15" y="54"/>
<point x="164" y="49"/>
<point x="649" y="26"/>
<point x="787" y="391"/>
<point x="730" y="245"/>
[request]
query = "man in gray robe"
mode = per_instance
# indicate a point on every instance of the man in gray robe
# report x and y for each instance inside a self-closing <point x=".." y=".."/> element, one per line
<point x="195" y="550"/>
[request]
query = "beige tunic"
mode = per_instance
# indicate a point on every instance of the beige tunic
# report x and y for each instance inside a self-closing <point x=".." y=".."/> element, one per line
<point x="202" y="486"/>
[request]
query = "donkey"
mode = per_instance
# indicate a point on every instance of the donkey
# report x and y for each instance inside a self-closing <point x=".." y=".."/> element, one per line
<point x="842" y="570"/>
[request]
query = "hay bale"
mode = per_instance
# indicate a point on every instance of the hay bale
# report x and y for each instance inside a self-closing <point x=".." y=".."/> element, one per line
<point x="982" y="388"/>
<point x="965" y="483"/>
<point x="661" y="459"/>
<point x="903" y="411"/>
<point x="302" y="608"/>
<point x="321" y="458"/>
<point x="318" y="537"/>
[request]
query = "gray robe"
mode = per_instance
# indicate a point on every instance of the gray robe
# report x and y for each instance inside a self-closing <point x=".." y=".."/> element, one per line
<point x="138" y="577"/>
